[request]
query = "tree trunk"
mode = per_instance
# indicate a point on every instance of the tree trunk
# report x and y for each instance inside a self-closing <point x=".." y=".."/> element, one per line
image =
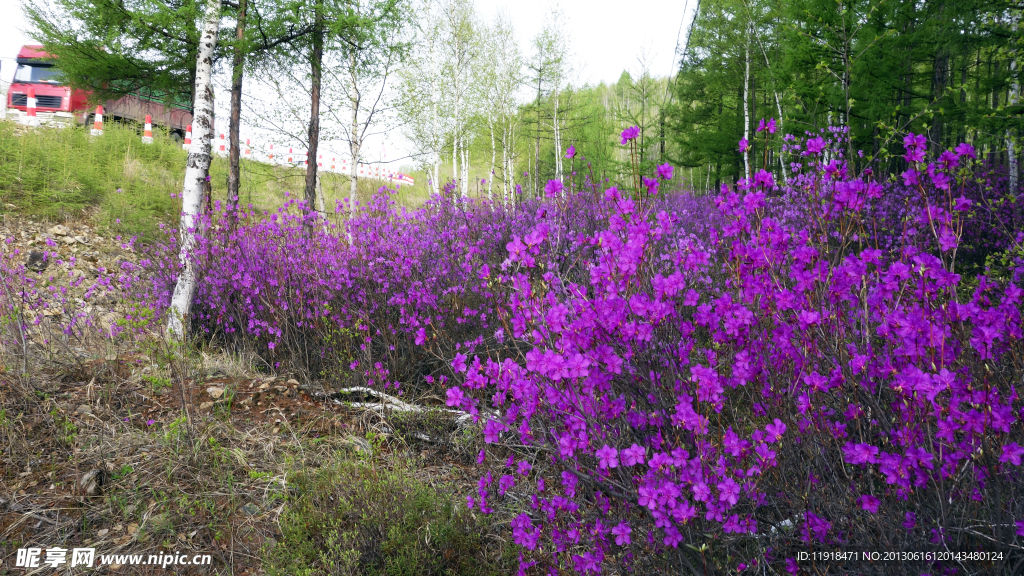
<point x="196" y="171"/>
<point x="746" y="107"/>
<point x="536" y="167"/>
<point x="234" y="170"/>
<point x="558" y="138"/>
<point x="1011" y="145"/>
<point x="314" y="112"/>
<point x="490" y="178"/>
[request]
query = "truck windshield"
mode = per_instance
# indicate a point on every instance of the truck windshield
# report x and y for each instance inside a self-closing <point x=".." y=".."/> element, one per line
<point x="36" y="73"/>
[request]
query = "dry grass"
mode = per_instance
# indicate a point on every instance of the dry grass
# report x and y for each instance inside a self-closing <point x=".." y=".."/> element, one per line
<point x="188" y="453"/>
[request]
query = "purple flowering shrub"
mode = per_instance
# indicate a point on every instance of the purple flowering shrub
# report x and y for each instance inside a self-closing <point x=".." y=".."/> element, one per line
<point x="703" y="405"/>
<point x="664" y="382"/>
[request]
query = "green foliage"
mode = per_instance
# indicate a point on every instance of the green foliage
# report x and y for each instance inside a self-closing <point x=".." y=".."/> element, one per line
<point x="880" y="68"/>
<point x="353" y="519"/>
<point x="117" y="47"/>
<point x="53" y="172"/>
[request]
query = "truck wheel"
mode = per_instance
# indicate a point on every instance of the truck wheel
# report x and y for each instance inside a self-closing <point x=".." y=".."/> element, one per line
<point x="177" y="137"/>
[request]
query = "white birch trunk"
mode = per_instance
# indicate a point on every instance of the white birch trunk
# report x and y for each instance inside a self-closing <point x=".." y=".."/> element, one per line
<point x="490" y="178"/>
<point x="355" y="145"/>
<point x="504" y="164"/>
<point x="746" y="107"/>
<point x="558" y="139"/>
<point x="196" y="171"/>
<point x="1011" y="145"/>
<point x="465" y="170"/>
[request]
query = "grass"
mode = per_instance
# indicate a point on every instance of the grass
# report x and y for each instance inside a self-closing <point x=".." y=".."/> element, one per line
<point x="354" y="518"/>
<point x="269" y="484"/>
<point x="57" y="173"/>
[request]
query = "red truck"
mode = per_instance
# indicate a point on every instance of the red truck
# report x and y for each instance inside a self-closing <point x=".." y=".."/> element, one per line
<point x="61" y="104"/>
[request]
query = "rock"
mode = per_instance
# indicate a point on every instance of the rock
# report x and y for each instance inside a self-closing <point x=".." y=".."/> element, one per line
<point x="215" y="392"/>
<point x="84" y="409"/>
<point x="68" y="240"/>
<point x="91" y="482"/>
<point x="251" y="509"/>
<point x="103" y="532"/>
<point x="81" y="239"/>
<point x="59" y="230"/>
<point x="206" y="405"/>
<point x="36" y="261"/>
<point x="292" y="382"/>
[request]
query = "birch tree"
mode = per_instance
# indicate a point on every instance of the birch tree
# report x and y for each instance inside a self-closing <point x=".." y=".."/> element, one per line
<point x="506" y="78"/>
<point x="423" y="120"/>
<point x="196" y="172"/>
<point x="460" y="52"/>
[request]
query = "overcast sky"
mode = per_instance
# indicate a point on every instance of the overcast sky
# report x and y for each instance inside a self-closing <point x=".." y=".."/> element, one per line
<point x="606" y="37"/>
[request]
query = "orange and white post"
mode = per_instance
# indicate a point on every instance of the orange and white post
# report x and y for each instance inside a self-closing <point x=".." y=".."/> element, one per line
<point x="248" y="149"/>
<point x="97" y="125"/>
<point x="221" y="150"/>
<point x="31" y="118"/>
<point x="188" y="138"/>
<point x="270" y="157"/>
<point x="147" y="130"/>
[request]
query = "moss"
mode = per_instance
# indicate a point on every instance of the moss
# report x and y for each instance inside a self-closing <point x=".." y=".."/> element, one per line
<point x="352" y="518"/>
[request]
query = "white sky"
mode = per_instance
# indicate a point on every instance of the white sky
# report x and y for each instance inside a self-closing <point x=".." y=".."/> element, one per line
<point x="606" y="37"/>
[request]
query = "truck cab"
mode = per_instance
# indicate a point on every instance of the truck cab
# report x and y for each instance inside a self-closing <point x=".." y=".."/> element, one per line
<point x="59" y="104"/>
<point x="54" y="103"/>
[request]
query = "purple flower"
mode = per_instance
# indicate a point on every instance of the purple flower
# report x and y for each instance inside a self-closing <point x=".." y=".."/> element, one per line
<point x="909" y="520"/>
<point x="150" y="422"/>
<point x="915" y="146"/>
<point x="728" y="491"/>
<point x="775" y="430"/>
<point x="1012" y="453"/>
<point x="455" y="396"/>
<point x="630" y="134"/>
<point x="570" y="152"/>
<point x="910" y="177"/>
<point x="744" y="145"/>
<point x="665" y="171"/>
<point x="672" y="537"/>
<point x="869" y="503"/>
<point x="459" y="362"/>
<point x="651" y="184"/>
<point x="553" y="188"/>
<point x="523" y="468"/>
<point x="506" y="483"/>
<point x="1020" y="527"/>
<point x="861" y="453"/>
<point x="622" y="532"/>
<point x="815" y="146"/>
<point x="965" y="149"/>
<point x="633" y="455"/>
<point x="608" y="457"/>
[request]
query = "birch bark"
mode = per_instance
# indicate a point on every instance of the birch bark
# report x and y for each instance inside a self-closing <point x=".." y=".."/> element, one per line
<point x="196" y="171"/>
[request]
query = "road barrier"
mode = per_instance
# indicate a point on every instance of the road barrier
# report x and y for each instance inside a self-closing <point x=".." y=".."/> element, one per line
<point x="97" y="125"/>
<point x="147" y="130"/>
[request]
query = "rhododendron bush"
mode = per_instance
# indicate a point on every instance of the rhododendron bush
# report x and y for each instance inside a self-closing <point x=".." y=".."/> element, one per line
<point x="666" y="383"/>
<point x="779" y="386"/>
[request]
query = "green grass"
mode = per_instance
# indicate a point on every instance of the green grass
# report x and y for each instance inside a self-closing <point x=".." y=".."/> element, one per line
<point x="56" y="173"/>
<point x="353" y="518"/>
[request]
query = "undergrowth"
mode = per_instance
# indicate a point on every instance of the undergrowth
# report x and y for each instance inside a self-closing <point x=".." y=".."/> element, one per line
<point x="353" y="518"/>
